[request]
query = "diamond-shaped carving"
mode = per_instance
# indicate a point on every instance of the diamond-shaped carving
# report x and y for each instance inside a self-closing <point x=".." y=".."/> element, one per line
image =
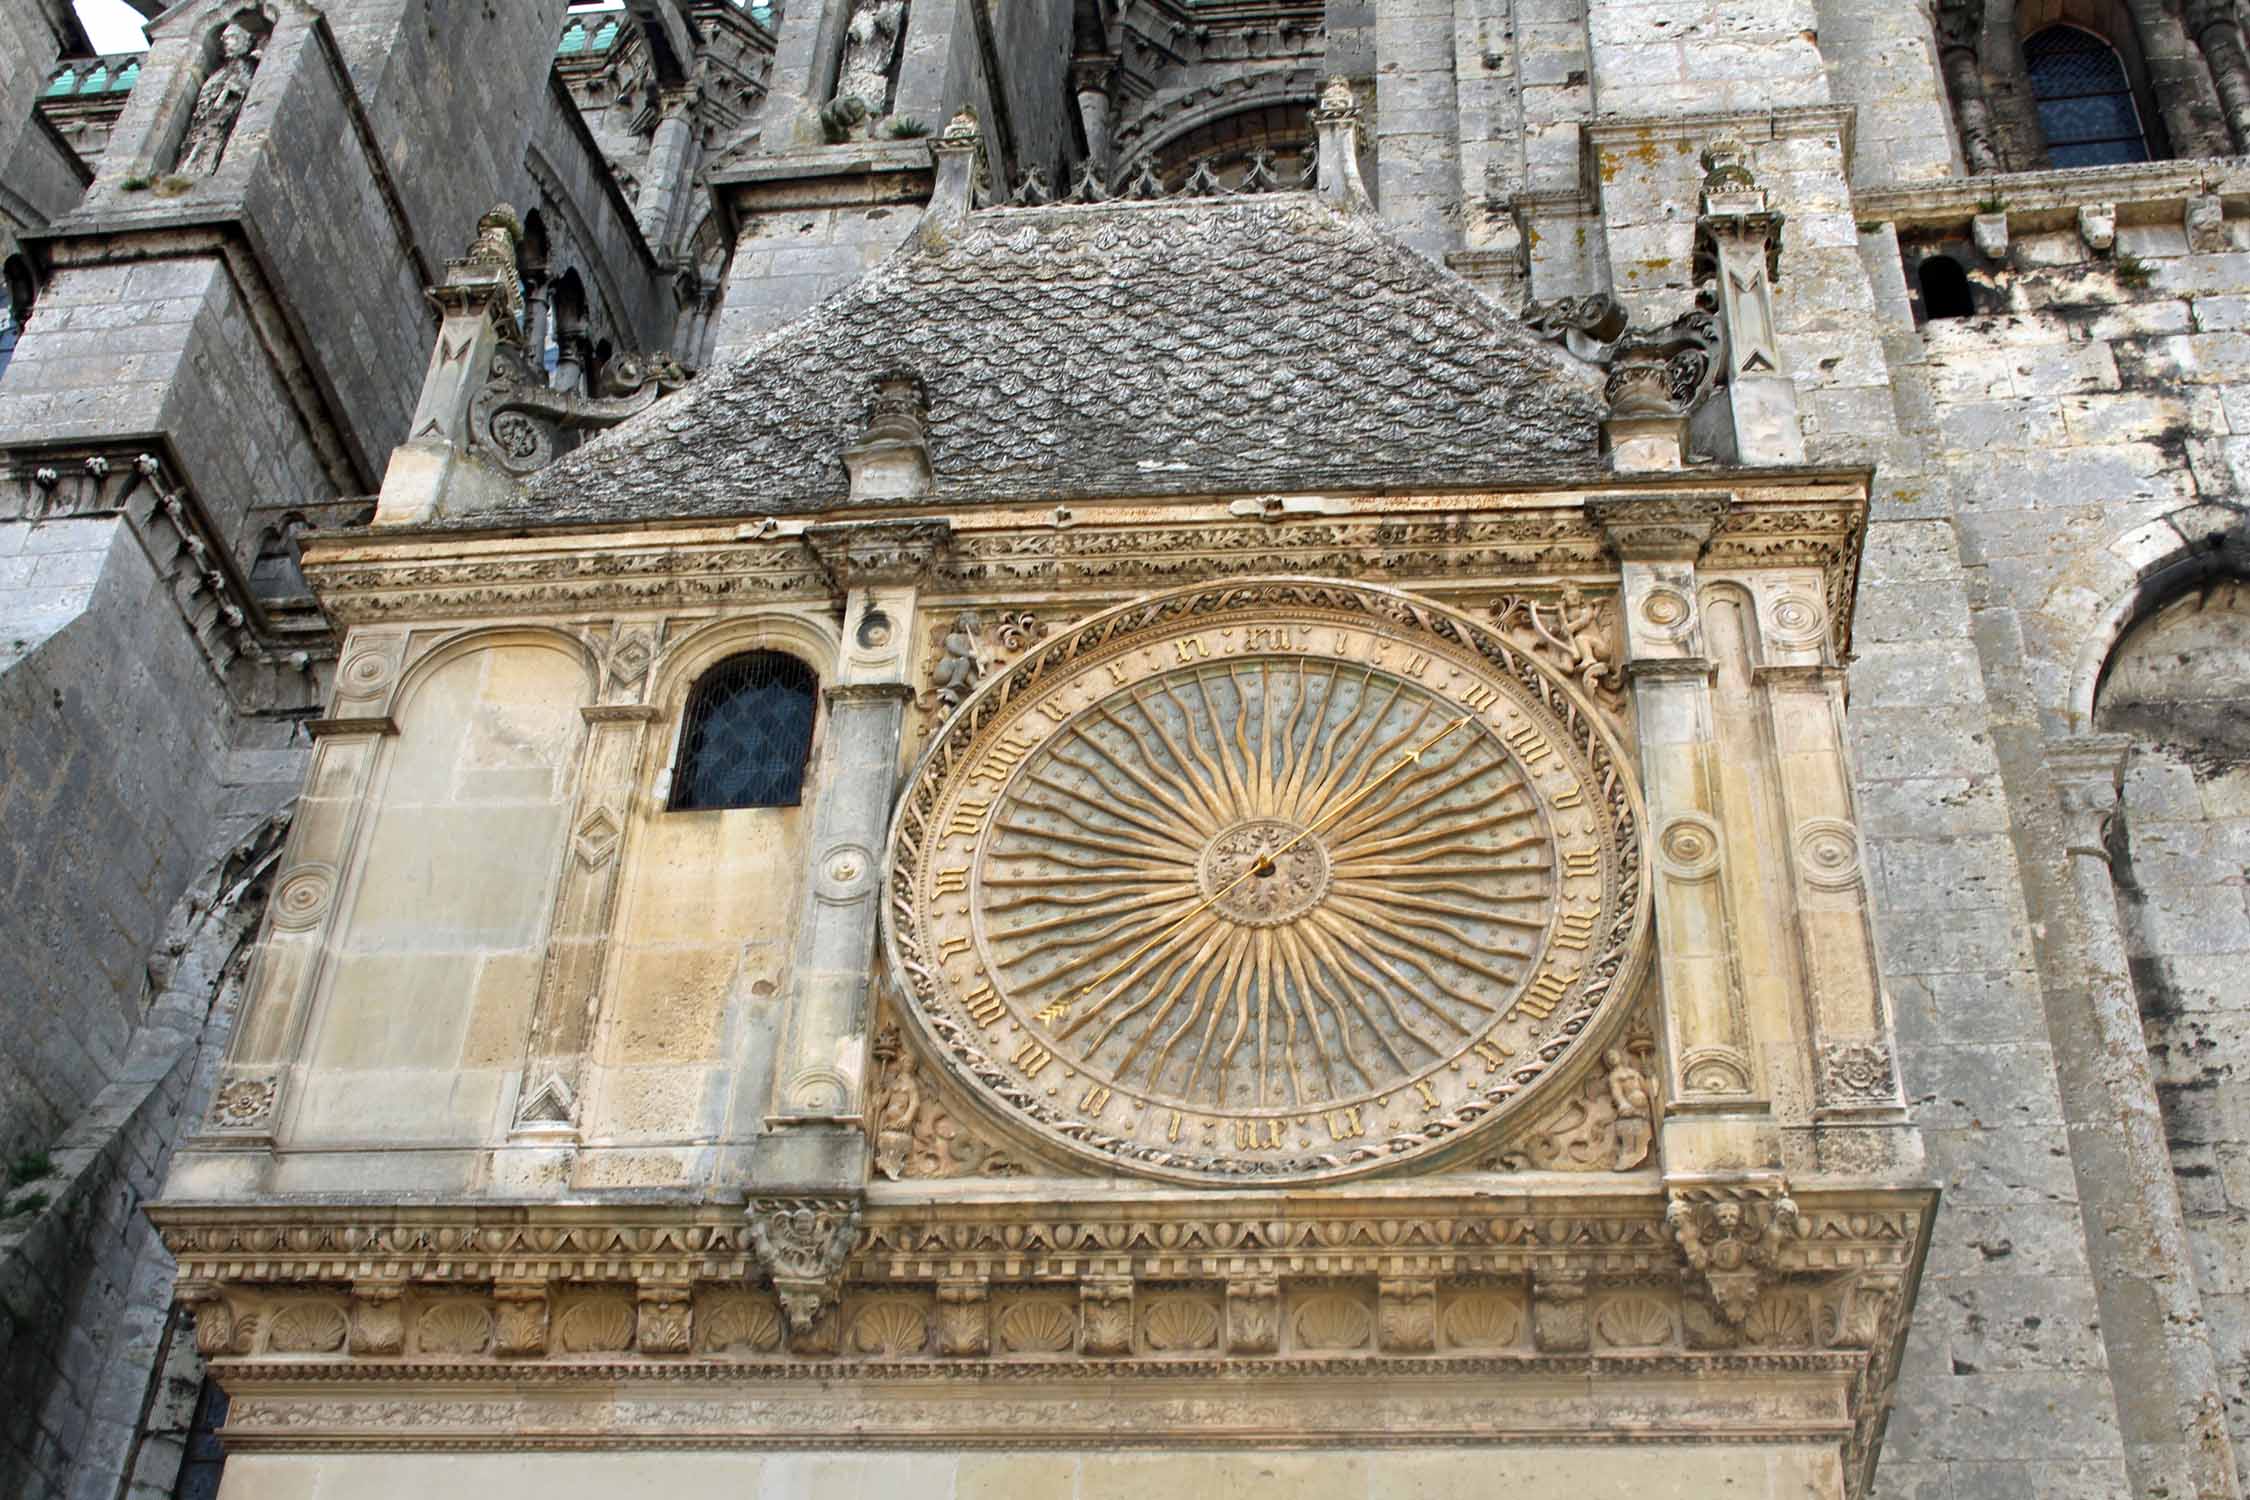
<point x="596" y="839"/>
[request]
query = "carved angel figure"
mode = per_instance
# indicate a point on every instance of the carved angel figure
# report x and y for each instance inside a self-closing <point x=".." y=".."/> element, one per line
<point x="898" y="1107"/>
<point x="870" y="46"/>
<point x="1577" y="635"/>
<point x="218" y="103"/>
<point x="960" y="666"/>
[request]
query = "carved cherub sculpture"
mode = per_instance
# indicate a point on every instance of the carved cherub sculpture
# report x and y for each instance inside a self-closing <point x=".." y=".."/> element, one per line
<point x="218" y="103"/>
<point x="1629" y="1091"/>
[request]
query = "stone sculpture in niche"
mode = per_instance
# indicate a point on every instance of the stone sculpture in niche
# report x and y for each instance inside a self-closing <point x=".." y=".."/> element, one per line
<point x="219" y="103"/>
<point x="863" y="81"/>
<point x="915" y="1135"/>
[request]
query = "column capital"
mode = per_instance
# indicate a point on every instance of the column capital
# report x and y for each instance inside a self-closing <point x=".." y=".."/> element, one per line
<point x="1658" y="528"/>
<point x="858" y="553"/>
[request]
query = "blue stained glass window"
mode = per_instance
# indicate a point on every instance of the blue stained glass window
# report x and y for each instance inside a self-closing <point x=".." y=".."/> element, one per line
<point x="749" y="728"/>
<point x="2086" y="107"/>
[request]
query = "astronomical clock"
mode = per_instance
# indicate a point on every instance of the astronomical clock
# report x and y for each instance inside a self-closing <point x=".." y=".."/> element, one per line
<point x="1268" y="883"/>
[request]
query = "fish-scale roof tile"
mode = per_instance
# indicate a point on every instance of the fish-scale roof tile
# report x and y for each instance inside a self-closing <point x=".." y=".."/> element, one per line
<point x="1121" y="349"/>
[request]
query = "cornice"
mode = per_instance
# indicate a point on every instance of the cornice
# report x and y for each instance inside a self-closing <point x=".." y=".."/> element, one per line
<point x="1813" y="519"/>
<point x="2051" y="199"/>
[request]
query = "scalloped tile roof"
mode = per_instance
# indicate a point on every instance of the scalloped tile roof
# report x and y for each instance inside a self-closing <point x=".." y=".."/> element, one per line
<point x="1198" y="346"/>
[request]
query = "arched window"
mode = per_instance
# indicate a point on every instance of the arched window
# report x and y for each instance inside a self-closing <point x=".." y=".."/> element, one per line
<point x="1945" y="288"/>
<point x="749" y="726"/>
<point x="2086" y="106"/>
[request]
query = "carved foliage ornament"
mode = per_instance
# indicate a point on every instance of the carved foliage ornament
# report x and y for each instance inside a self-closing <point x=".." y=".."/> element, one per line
<point x="1279" y="881"/>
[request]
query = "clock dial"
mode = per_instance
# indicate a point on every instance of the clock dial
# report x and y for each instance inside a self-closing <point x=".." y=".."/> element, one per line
<point x="1252" y="893"/>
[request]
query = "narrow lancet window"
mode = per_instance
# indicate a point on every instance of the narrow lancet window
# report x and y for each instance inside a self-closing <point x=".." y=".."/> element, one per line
<point x="2086" y="106"/>
<point x="748" y="730"/>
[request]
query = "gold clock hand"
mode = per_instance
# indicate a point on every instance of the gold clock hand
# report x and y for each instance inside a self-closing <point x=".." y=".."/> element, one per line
<point x="1261" y="866"/>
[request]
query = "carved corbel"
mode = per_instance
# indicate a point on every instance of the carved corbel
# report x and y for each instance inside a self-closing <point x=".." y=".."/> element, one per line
<point x="1105" y="1321"/>
<point x="1406" y="1315"/>
<point x="213" y="1314"/>
<point x="1658" y="378"/>
<point x="964" y="1319"/>
<point x="1558" y="1310"/>
<point x="665" y="1324"/>
<point x="1253" y="1315"/>
<point x="378" y="1317"/>
<point x="802" y="1245"/>
<point x="1730" y="1233"/>
<point x="519" y="1322"/>
<point x="863" y="554"/>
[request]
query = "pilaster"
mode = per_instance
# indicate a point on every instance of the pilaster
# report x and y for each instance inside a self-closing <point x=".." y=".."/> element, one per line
<point x="1716" y="1100"/>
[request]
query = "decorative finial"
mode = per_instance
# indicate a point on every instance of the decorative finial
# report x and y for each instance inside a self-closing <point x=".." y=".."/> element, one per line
<point x="962" y="129"/>
<point x="1337" y="101"/>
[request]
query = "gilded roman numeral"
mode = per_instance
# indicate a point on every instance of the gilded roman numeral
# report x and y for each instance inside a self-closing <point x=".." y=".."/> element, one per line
<point x="952" y="880"/>
<point x="1004" y="757"/>
<point x="1529" y="744"/>
<point x="1416" y="665"/>
<point x="1573" y="928"/>
<point x="984" y="1005"/>
<point x="1478" y="697"/>
<point x="1545" y="993"/>
<point x="1118" y="672"/>
<point x="1571" y="797"/>
<point x="1582" y="864"/>
<point x="1259" y="1135"/>
<point x="1492" y="1053"/>
<point x="1048" y="1015"/>
<point x="1190" y="648"/>
<point x="968" y="816"/>
<point x="1031" y="1057"/>
<point x="1429" y="1095"/>
<point x="1096" y="1100"/>
<point x="952" y="945"/>
<point x="1345" y="1125"/>
<point x="1172" y="1128"/>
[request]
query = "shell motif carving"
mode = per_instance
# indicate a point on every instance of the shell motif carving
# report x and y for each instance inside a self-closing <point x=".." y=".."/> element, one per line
<point x="1179" y="1323"/>
<point x="890" y="1328"/>
<point x="454" y="1326"/>
<point x="598" y="1325"/>
<point x="1634" y="1320"/>
<point x="1779" y="1319"/>
<point x="1483" y="1320"/>
<point x="1038" y="1325"/>
<point x="308" y="1328"/>
<point x="739" y="1323"/>
<point x="1333" y="1321"/>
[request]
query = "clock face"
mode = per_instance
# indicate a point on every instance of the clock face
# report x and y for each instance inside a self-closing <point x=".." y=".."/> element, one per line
<point x="1272" y="882"/>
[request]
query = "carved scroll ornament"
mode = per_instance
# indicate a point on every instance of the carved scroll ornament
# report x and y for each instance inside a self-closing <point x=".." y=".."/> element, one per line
<point x="523" y="425"/>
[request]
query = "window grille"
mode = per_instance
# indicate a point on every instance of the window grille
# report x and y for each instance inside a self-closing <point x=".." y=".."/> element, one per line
<point x="2086" y="106"/>
<point x="749" y="727"/>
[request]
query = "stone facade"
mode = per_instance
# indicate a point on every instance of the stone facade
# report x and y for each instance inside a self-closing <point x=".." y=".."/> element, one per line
<point x="1741" y="393"/>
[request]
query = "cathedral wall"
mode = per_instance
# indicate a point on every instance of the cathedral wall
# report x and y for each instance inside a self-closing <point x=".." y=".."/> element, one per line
<point x="451" y="81"/>
<point x="1881" y="61"/>
<point x="1420" y="1473"/>
<point x="591" y="229"/>
<point x="113" y="737"/>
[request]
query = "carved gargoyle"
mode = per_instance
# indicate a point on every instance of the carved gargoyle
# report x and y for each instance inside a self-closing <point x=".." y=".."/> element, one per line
<point x="523" y="425"/>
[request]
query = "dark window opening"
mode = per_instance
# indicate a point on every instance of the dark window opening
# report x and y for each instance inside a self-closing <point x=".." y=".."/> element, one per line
<point x="749" y="727"/>
<point x="7" y="337"/>
<point x="206" y="1456"/>
<point x="2086" y="106"/>
<point x="1945" y="288"/>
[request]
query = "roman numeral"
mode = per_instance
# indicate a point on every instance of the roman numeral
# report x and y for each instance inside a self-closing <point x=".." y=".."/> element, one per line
<point x="1571" y="798"/>
<point x="1345" y="1125"/>
<point x="984" y="1005"/>
<point x="1259" y="1135"/>
<point x="1582" y="864"/>
<point x="1005" y="757"/>
<point x="1492" y="1053"/>
<point x="1049" y="1015"/>
<point x="1429" y="1095"/>
<point x="952" y="945"/>
<point x="1573" y="928"/>
<point x="1031" y="1057"/>
<point x="1545" y="994"/>
<point x="1096" y="1100"/>
<point x="1528" y="743"/>
<point x="952" y="880"/>
<point x="968" y="816"/>
<point x="1479" y="697"/>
